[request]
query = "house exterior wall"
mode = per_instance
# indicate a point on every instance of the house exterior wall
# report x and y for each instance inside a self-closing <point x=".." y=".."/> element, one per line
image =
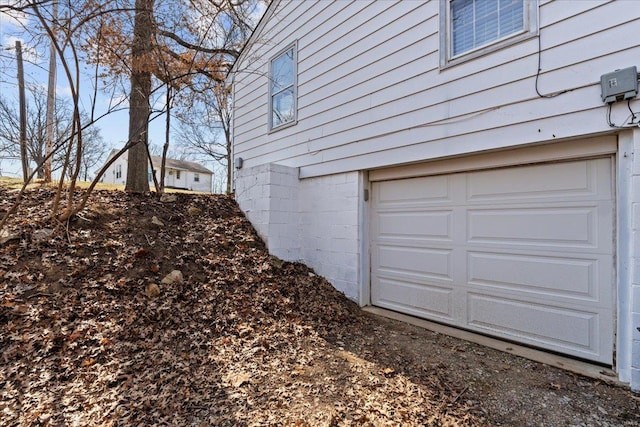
<point x="110" y="176"/>
<point x="330" y="229"/>
<point x="372" y="94"/>
<point x="186" y="180"/>
<point x="369" y="76"/>
<point x="313" y="220"/>
<point x="268" y="194"/>
<point x="203" y="184"/>
<point x="633" y="207"/>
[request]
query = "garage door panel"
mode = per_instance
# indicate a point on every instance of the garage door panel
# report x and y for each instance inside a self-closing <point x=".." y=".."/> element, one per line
<point x="419" y="262"/>
<point x="423" y="191"/>
<point x="420" y="299"/>
<point x="559" y="181"/>
<point x="551" y="327"/>
<point x="524" y="253"/>
<point x="566" y="227"/>
<point x="562" y="277"/>
<point x="402" y="225"/>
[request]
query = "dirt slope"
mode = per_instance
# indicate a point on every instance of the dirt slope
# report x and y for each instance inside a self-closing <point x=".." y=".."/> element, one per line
<point x="90" y="335"/>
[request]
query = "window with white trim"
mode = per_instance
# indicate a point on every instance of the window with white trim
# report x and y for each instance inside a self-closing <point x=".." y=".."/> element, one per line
<point x="470" y="28"/>
<point x="283" y="88"/>
<point x="196" y="177"/>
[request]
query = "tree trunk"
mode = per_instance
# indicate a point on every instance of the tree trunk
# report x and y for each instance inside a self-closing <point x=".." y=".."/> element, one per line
<point x="39" y="160"/>
<point x="142" y="49"/>
<point x="227" y="135"/>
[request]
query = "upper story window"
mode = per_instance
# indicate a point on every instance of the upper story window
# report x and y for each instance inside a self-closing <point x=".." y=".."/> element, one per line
<point x="282" y="88"/>
<point x="470" y="28"/>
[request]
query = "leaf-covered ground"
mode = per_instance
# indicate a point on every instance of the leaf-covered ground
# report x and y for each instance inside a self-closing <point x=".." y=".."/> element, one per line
<point x="89" y="335"/>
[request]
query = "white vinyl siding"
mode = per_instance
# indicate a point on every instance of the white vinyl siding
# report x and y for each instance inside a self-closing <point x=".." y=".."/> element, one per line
<point x="282" y="88"/>
<point x="371" y="91"/>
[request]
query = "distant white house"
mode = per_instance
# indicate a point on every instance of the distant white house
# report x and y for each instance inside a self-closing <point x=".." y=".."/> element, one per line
<point x="471" y="162"/>
<point x="179" y="173"/>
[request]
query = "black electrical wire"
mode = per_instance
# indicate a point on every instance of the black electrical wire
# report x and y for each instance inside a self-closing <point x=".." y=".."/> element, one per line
<point x="630" y="121"/>
<point x="609" y="116"/>
<point x="633" y="115"/>
<point x="550" y="95"/>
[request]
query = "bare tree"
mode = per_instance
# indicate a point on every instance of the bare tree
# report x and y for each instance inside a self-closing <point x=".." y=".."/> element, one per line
<point x="206" y="129"/>
<point x="36" y="126"/>
<point x="40" y="27"/>
<point x="94" y="150"/>
<point x="196" y="40"/>
<point x="183" y="48"/>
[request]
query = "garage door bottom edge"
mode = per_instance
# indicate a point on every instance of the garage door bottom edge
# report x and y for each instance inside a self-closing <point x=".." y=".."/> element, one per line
<point x="577" y="366"/>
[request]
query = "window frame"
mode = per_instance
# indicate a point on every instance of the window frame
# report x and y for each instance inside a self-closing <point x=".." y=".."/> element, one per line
<point x="293" y="46"/>
<point x="530" y="20"/>
<point x="196" y="177"/>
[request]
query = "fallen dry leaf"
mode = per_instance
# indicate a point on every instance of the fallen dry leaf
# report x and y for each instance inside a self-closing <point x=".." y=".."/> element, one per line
<point x="244" y="339"/>
<point x="238" y="379"/>
<point x="387" y="372"/>
<point x="88" y="362"/>
<point x="74" y="335"/>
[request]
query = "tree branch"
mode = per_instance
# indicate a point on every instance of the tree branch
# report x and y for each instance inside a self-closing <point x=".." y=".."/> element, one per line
<point x="187" y="45"/>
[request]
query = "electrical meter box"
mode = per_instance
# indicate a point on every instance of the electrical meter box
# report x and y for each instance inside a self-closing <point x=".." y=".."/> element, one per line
<point x="619" y="85"/>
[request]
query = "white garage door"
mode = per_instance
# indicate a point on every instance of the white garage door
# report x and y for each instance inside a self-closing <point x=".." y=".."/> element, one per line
<point x="523" y="253"/>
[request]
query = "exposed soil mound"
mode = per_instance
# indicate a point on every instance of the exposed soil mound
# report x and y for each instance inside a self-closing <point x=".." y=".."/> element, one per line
<point x="97" y="327"/>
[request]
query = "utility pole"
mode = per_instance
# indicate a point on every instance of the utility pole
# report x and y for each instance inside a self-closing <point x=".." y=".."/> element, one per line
<point x="23" y="114"/>
<point x="51" y="96"/>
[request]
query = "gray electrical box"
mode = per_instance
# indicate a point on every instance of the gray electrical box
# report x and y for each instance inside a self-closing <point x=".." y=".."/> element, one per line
<point x="619" y="85"/>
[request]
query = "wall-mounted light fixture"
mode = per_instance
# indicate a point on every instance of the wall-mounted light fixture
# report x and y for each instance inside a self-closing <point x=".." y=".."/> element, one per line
<point x="238" y="163"/>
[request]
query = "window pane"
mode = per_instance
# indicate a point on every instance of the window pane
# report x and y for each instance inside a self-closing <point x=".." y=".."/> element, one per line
<point x="283" y="107"/>
<point x="511" y="17"/>
<point x="462" y="25"/>
<point x="475" y="23"/>
<point x="486" y="19"/>
<point x="282" y="71"/>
